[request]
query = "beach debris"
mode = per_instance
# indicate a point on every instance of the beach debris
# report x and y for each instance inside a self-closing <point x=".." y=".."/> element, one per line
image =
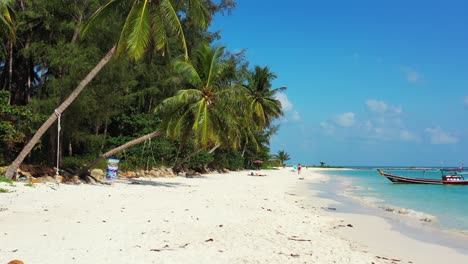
<point x="183" y="246"/>
<point x="295" y="238"/>
<point x="166" y="247"/>
<point x="209" y="240"/>
<point x="279" y="233"/>
<point x="391" y="259"/>
<point x="348" y="225"/>
<point x="291" y="254"/>
<point x="426" y="219"/>
<point x="220" y="226"/>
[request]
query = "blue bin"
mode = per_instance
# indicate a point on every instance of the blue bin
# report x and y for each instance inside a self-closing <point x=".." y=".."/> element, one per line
<point x="112" y="168"/>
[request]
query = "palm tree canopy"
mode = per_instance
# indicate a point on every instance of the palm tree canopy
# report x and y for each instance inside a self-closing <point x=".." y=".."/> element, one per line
<point x="282" y="156"/>
<point x="263" y="105"/>
<point x="150" y="23"/>
<point x="7" y="18"/>
<point x="204" y="105"/>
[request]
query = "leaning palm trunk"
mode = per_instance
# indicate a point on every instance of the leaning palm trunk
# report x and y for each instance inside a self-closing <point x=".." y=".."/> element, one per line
<point x="118" y="149"/>
<point x="27" y="149"/>
<point x="177" y="167"/>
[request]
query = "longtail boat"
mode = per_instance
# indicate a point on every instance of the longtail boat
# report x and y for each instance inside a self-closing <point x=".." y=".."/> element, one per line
<point x="449" y="176"/>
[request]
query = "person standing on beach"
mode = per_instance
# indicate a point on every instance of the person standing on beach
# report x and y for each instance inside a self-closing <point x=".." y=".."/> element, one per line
<point x="299" y="168"/>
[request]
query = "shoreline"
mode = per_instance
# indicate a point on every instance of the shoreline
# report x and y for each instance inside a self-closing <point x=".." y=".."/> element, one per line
<point x="215" y="218"/>
<point x="385" y="231"/>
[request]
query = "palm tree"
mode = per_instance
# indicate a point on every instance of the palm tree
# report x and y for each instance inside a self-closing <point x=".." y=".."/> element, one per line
<point x="6" y="18"/>
<point x="282" y="157"/>
<point x="260" y="107"/>
<point x="262" y="103"/>
<point x="148" y="24"/>
<point x="7" y="28"/>
<point x="204" y="109"/>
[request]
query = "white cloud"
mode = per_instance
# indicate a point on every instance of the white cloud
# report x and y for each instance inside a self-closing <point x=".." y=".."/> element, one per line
<point x="438" y="136"/>
<point x="329" y="128"/>
<point x="408" y="136"/>
<point x="376" y="106"/>
<point x="285" y="103"/>
<point x="385" y="122"/>
<point x="381" y="107"/>
<point x="295" y="115"/>
<point x="412" y="76"/>
<point x="346" y="119"/>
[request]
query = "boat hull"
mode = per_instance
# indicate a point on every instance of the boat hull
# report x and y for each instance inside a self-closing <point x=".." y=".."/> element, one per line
<point x="401" y="179"/>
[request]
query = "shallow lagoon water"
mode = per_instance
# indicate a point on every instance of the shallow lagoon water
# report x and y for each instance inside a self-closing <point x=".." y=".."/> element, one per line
<point x="404" y="206"/>
<point x="445" y="206"/>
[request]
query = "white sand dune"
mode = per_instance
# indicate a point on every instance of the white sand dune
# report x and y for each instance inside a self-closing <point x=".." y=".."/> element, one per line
<point x="217" y="218"/>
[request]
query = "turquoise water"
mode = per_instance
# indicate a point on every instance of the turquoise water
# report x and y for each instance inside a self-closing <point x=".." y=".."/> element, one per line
<point x="444" y="205"/>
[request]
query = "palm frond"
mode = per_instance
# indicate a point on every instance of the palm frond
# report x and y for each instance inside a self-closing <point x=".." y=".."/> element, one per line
<point x="140" y="30"/>
<point x="160" y="36"/>
<point x="199" y="13"/>
<point x="99" y="15"/>
<point x="7" y="18"/>
<point x="188" y="72"/>
<point x="172" y="21"/>
<point x="215" y="57"/>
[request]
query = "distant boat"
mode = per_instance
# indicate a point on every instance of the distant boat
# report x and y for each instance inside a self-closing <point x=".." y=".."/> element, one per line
<point x="449" y="176"/>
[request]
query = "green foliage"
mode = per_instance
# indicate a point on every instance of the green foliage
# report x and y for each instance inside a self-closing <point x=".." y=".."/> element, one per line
<point x="282" y="156"/>
<point x="3" y="190"/>
<point x="14" y="125"/>
<point x="29" y="185"/>
<point x="200" y="160"/>
<point x="229" y="159"/>
<point x="76" y="161"/>
<point x="50" y="60"/>
<point x="6" y="180"/>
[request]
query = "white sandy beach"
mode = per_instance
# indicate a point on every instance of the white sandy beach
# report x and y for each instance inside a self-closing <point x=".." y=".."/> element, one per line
<point x="216" y="218"/>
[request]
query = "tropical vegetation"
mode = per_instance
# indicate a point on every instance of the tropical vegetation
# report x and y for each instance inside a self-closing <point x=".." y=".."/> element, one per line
<point x="139" y="80"/>
<point x="282" y="156"/>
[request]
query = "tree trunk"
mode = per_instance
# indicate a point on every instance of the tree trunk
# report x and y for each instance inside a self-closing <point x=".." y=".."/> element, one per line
<point x="106" y="124"/>
<point x="70" y="149"/>
<point x="10" y="69"/>
<point x="118" y="149"/>
<point x="178" y="165"/>
<point x="214" y="148"/>
<point x="27" y="149"/>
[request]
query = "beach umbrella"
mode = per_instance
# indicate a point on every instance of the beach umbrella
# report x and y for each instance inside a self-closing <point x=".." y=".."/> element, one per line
<point x="257" y="163"/>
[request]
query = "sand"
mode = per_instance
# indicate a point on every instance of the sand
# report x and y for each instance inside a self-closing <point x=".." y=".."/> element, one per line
<point x="216" y="218"/>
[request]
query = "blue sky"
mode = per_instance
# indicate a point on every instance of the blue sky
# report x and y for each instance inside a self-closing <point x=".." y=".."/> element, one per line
<point x="378" y="83"/>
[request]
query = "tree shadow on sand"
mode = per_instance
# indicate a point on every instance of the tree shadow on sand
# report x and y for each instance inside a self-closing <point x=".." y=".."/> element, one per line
<point x="160" y="183"/>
